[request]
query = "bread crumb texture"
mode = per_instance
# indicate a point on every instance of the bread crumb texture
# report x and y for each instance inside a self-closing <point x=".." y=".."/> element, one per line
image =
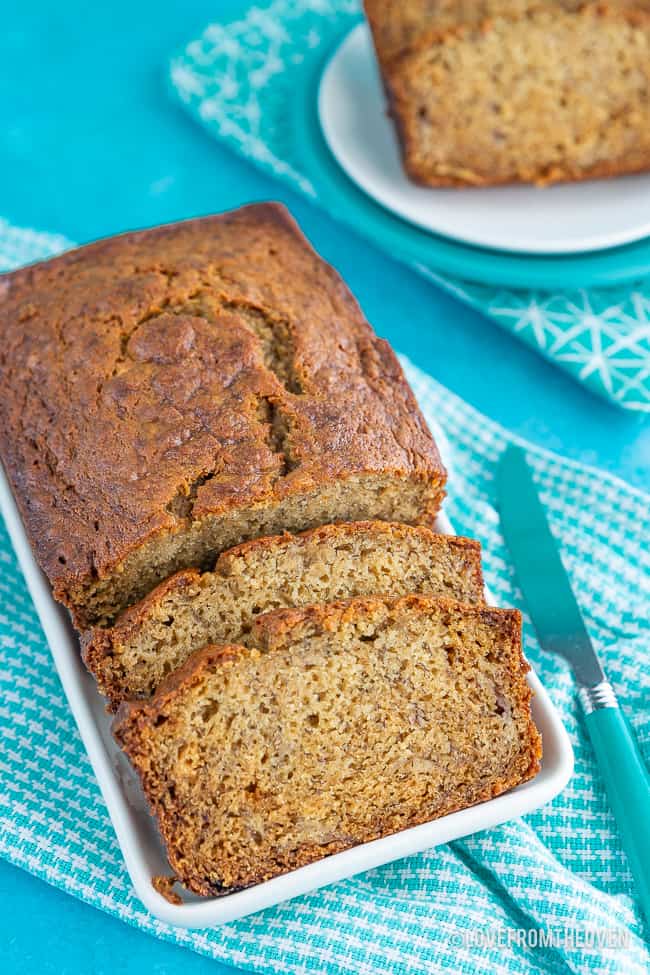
<point x="336" y="725"/>
<point x="334" y="562"/>
<point x="516" y="90"/>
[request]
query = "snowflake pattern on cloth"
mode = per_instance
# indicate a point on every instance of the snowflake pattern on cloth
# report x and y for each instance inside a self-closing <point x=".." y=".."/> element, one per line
<point x="560" y="869"/>
<point x="238" y="80"/>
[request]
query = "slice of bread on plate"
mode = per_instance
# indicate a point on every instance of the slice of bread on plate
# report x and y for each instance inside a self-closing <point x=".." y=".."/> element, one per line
<point x="507" y="91"/>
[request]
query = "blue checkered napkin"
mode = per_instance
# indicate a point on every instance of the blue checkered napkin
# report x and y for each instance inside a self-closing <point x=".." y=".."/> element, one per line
<point x="239" y="78"/>
<point x="562" y="866"/>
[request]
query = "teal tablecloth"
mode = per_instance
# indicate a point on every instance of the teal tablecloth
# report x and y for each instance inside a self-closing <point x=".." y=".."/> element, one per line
<point x="479" y="905"/>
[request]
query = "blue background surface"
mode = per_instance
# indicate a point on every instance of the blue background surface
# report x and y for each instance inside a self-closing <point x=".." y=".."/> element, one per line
<point x="90" y="144"/>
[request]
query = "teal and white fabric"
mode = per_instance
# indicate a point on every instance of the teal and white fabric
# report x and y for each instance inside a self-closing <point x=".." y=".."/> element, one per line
<point x="239" y="79"/>
<point x="479" y="906"/>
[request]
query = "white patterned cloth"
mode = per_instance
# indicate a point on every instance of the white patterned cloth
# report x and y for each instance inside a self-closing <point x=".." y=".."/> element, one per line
<point x="240" y="79"/>
<point x="558" y="873"/>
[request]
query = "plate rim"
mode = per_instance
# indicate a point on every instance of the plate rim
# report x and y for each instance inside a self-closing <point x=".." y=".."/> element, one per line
<point x="328" y="184"/>
<point x="359" y="39"/>
<point x="82" y="697"/>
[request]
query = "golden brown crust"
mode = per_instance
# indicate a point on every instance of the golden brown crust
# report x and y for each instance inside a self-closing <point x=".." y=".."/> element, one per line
<point x="156" y="379"/>
<point x="548" y="177"/>
<point x="395" y="66"/>
<point x="165" y="887"/>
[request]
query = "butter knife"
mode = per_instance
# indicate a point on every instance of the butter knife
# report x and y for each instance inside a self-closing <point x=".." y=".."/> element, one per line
<point x="560" y="629"/>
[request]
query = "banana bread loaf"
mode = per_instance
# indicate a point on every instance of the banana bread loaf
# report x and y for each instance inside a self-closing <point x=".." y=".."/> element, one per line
<point x="339" y="724"/>
<point x="167" y="394"/>
<point x="193" y="609"/>
<point x="502" y="91"/>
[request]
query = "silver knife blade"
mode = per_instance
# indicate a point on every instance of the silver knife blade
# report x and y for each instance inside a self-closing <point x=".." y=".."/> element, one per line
<point x="541" y="575"/>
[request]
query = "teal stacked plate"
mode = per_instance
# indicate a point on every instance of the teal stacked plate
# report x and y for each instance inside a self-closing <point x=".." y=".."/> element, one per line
<point x="443" y="254"/>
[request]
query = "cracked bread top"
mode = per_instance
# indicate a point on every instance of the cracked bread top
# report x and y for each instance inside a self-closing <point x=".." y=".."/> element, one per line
<point x="156" y="380"/>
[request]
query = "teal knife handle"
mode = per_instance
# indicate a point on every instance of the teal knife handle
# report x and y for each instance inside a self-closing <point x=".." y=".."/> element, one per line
<point x="628" y="786"/>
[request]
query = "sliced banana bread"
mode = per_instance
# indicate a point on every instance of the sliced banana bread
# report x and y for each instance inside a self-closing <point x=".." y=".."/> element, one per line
<point x="192" y="608"/>
<point x="505" y="91"/>
<point x="337" y="725"/>
<point x="167" y="394"/>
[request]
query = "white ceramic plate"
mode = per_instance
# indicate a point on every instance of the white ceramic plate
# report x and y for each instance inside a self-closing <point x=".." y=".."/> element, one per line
<point x="137" y="834"/>
<point x="563" y="219"/>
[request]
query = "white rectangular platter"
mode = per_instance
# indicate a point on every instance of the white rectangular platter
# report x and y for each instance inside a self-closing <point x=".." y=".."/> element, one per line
<point x="137" y="834"/>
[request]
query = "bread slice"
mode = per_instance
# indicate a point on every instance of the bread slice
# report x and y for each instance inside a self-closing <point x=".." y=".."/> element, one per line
<point x="192" y="608"/>
<point x="170" y="393"/>
<point x="339" y="724"/>
<point x="502" y="91"/>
